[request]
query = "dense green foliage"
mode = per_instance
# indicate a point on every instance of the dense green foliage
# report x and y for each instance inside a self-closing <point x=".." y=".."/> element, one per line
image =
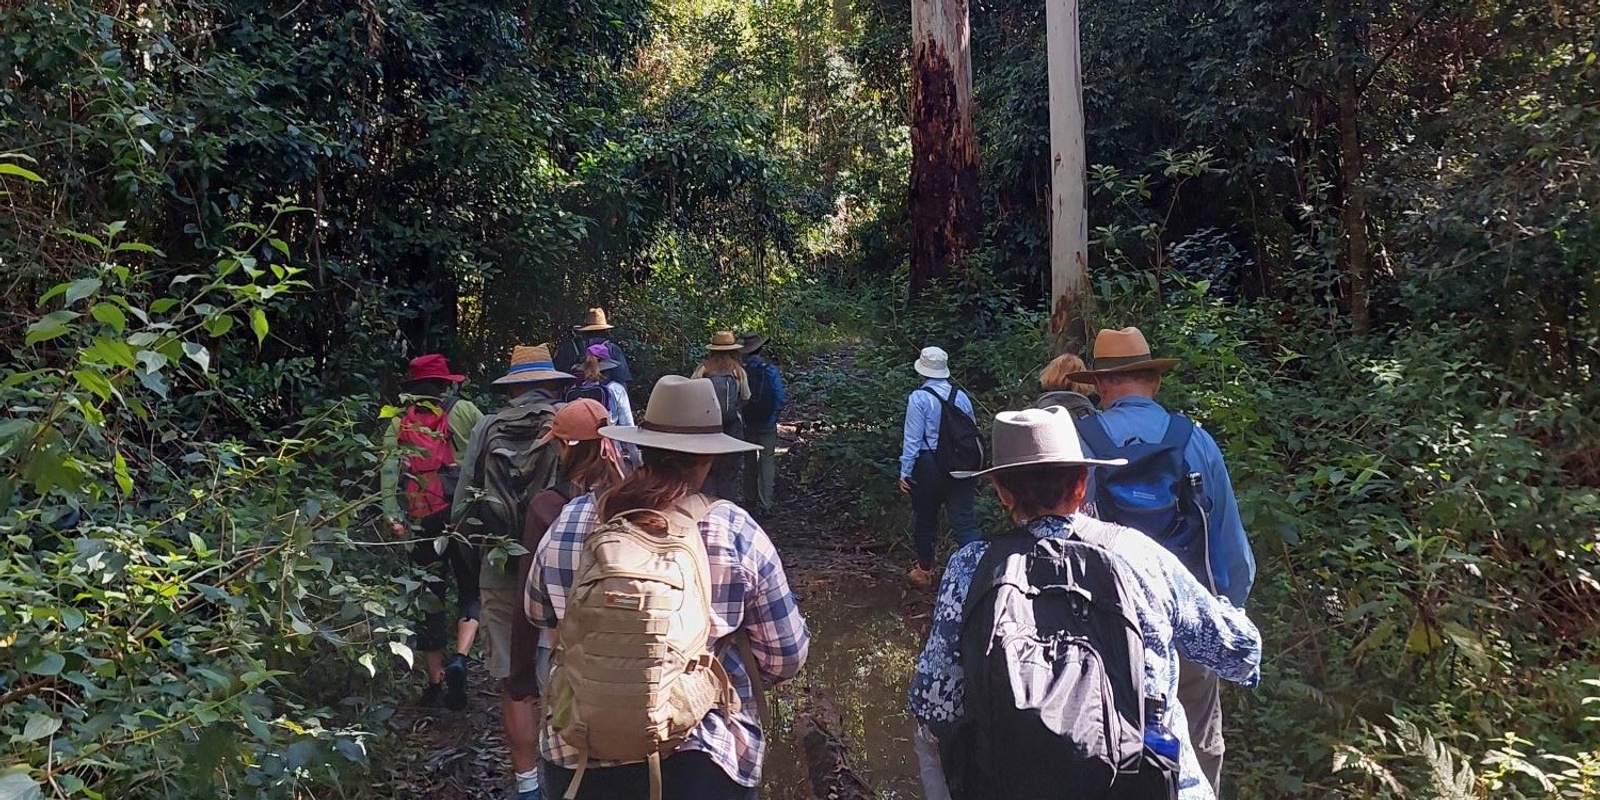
<point x="225" y="225"/>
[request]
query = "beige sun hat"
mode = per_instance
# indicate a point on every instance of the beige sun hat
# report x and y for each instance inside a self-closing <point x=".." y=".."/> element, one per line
<point x="531" y="364"/>
<point x="934" y="362"/>
<point x="724" y="340"/>
<point x="595" y="320"/>
<point x="1037" y="437"/>
<point x="682" y="415"/>
<point x="1121" y="351"/>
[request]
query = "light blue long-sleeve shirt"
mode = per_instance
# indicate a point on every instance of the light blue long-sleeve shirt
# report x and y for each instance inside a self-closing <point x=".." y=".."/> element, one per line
<point x="922" y="421"/>
<point x="1233" y="564"/>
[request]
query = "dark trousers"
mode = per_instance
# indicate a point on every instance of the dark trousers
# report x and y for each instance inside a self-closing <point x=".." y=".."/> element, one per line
<point x="760" y="469"/>
<point x="685" y="775"/>
<point x="459" y="563"/>
<point x="932" y="489"/>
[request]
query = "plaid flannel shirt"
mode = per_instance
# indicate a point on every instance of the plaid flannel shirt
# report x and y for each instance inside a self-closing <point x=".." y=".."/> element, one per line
<point x="748" y="590"/>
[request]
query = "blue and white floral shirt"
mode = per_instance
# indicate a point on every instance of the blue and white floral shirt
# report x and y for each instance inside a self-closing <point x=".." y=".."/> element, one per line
<point x="1176" y="615"/>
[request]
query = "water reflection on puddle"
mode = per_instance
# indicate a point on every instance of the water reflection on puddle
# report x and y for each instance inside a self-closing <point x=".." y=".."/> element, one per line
<point x="864" y="643"/>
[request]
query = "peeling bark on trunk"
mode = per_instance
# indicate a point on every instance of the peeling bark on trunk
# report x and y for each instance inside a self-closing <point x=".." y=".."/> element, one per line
<point x="827" y="757"/>
<point x="1069" y="211"/>
<point x="944" y="152"/>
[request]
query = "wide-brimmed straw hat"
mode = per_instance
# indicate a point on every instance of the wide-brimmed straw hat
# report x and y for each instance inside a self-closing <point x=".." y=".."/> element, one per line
<point x="724" y="341"/>
<point x="1121" y="351"/>
<point x="531" y="364"/>
<point x="431" y="367"/>
<point x="934" y="362"/>
<point x="1037" y="437"/>
<point x="682" y="415"/>
<point x="595" y="320"/>
<point x="751" y="342"/>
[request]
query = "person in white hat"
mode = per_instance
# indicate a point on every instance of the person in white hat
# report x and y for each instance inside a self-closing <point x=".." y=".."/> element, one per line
<point x="680" y="437"/>
<point x="1040" y="475"/>
<point x="930" y="487"/>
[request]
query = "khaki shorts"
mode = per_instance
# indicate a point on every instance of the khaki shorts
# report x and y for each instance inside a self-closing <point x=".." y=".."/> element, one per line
<point x="499" y="604"/>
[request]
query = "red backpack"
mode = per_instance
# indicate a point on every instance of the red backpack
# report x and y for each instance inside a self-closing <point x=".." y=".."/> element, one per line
<point x="430" y="470"/>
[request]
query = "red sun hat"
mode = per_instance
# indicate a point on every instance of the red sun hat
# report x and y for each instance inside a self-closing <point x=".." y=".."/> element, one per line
<point x="432" y="367"/>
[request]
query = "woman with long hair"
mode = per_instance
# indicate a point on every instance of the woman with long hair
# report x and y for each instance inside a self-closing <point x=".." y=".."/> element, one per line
<point x="1079" y="398"/>
<point x="722" y="366"/>
<point x="680" y="439"/>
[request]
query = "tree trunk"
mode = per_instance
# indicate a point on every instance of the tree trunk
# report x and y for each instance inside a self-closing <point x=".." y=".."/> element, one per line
<point x="1069" y="212"/>
<point x="1358" y="261"/>
<point x="944" y="151"/>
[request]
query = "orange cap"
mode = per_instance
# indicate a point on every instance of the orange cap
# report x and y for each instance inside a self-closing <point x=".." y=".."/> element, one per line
<point x="579" y="420"/>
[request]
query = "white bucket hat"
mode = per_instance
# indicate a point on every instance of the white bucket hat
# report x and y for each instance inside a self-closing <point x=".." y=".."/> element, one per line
<point x="1037" y="437"/>
<point x="933" y="363"/>
<point x="682" y="415"/>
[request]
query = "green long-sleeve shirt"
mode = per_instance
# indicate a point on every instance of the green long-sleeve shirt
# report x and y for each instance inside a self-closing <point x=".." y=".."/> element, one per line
<point x="464" y="417"/>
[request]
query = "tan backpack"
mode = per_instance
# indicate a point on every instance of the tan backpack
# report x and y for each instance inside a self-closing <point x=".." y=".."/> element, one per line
<point x="634" y="674"/>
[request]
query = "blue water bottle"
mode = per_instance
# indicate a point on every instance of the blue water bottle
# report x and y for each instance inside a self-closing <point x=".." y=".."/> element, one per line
<point x="1156" y="736"/>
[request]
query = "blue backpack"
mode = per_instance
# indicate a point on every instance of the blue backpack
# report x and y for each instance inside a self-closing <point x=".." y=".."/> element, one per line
<point x="1155" y="493"/>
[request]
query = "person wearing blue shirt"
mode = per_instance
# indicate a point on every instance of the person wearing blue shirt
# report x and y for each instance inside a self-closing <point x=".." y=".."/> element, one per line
<point x="761" y="422"/>
<point x="920" y="477"/>
<point x="1128" y="379"/>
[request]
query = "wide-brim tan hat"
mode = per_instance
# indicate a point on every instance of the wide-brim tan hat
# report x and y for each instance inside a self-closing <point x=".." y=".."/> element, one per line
<point x="933" y="362"/>
<point x="682" y="415"/>
<point x="531" y="364"/>
<point x="724" y="341"/>
<point x="751" y="342"/>
<point x="1121" y="351"/>
<point x="595" y="320"/>
<point x="1037" y="437"/>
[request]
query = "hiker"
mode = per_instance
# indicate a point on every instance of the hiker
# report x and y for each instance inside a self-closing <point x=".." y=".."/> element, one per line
<point x="721" y="365"/>
<point x="595" y="384"/>
<point x="1192" y="511"/>
<point x="592" y="330"/>
<point x="511" y="458"/>
<point x="436" y="426"/>
<point x="927" y="459"/>
<point x="586" y="463"/>
<point x="1092" y="615"/>
<point x="767" y="399"/>
<point x="1079" y="398"/>
<point x="640" y="723"/>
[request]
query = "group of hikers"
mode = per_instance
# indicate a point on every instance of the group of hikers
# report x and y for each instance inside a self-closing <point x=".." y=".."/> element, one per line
<point x="1075" y="655"/>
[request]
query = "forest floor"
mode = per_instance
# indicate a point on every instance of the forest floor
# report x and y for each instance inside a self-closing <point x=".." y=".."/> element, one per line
<point x="866" y="624"/>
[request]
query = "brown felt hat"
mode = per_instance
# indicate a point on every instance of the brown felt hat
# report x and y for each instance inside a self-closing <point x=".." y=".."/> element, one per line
<point x="1121" y="351"/>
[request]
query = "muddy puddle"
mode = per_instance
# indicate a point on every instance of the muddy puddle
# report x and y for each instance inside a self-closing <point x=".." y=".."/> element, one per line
<point x="865" y="638"/>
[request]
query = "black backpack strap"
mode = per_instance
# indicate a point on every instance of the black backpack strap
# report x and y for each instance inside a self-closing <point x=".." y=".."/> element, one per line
<point x="1010" y="543"/>
<point x="1094" y="433"/>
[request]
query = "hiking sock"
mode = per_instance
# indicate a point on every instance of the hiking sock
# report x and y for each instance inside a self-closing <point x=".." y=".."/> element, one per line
<point x="528" y="781"/>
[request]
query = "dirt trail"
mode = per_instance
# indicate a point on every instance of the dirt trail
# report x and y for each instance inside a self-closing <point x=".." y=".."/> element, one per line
<point x="866" y="629"/>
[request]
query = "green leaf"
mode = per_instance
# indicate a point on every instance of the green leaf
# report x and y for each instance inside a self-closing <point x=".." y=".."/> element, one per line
<point x="258" y="323"/>
<point x="17" y="784"/>
<point x="25" y="174"/>
<point x="48" y="664"/>
<point x="279" y="245"/>
<point x="94" y="382"/>
<point x="110" y="314"/>
<point x="366" y="661"/>
<point x="81" y="288"/>
<point x="256" y="726"/>
<point x="119" y="468"/>
<point x="40" y="726"/>
<point x="198" y="354"/>
<point x="72" y="618"/>
<point x="139" y="247"/>
<point x="111" y="352"/>
<point x="162" y="305"/>
<point x="219" y="325"/>
<point x="401" y="650"/>
<point x="48" y="327"/>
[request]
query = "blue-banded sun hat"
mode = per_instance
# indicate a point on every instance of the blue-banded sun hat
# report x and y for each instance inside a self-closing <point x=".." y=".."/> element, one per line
<point x="531" y="364"/>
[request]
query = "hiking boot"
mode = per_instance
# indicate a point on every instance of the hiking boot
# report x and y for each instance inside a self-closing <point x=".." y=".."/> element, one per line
<point x="431" y="695"/>
<point x="921" y="578"/>
<point x="455" y="680"/>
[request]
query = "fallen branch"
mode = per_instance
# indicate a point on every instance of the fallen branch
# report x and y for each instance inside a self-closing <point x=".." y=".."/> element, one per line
<point x="817" y="728"/>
